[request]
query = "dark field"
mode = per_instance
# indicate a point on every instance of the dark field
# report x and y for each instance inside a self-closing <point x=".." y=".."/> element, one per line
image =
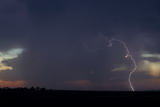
<point x="42" y="96"/>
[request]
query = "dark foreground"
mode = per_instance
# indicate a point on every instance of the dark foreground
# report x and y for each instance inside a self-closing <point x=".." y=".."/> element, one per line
<point x="41" y="96"/>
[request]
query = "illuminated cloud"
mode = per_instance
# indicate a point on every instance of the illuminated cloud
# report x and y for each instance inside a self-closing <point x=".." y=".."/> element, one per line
<point x="152" y="68"/>
<point x="6" y="68"/>
<point x="149" y="55"/>
<point x="12" y="84"/>
<point x="9" y="55"/>
<point x="119" y="68"/>
<point x="149" y="65"/>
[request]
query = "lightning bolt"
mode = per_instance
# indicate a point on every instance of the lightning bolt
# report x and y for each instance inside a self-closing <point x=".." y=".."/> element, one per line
<point x="128" y="55"/>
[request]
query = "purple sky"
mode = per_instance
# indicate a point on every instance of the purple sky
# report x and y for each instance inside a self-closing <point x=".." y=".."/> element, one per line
<point x="62" y="44"/>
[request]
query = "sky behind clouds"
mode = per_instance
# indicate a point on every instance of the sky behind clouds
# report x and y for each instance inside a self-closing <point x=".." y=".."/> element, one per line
<point x="65" y="43"/>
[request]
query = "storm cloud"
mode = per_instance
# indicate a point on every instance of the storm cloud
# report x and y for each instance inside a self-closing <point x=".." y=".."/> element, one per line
<point x="65" y="42"/>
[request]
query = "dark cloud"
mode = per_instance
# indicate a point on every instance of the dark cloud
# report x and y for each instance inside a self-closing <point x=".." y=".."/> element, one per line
<point x="54" y="32"/>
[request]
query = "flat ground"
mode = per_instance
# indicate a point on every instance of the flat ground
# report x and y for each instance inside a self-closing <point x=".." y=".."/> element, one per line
<point x="54" y="97"/>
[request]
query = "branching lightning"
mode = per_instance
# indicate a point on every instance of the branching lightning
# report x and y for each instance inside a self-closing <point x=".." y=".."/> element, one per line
<point x="128" y="55"/>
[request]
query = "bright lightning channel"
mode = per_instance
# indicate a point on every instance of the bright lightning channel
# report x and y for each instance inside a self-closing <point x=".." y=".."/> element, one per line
<point x="128" y="55"/>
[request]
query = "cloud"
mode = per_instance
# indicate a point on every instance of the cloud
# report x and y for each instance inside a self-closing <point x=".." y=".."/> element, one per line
<point x="151" y="68"/>
<point x="149" y="55"/>
<point x="119" y="68"/>
<point x="6" y="68"/>
<point x="150" y="64"/>
<point x="12" y="84"/>
<point x="9" y="55"/>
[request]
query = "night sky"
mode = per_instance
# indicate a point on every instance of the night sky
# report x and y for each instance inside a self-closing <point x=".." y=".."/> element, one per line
<point x="63" y="44"/>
